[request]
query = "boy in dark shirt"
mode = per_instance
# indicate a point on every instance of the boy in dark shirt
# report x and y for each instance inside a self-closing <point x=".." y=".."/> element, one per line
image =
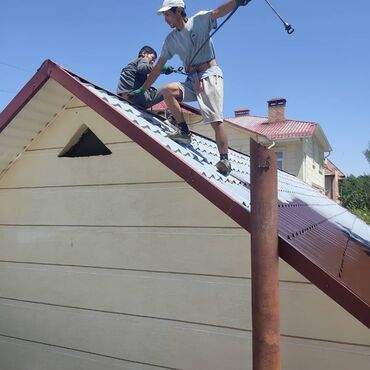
<point x="135" y="74"/>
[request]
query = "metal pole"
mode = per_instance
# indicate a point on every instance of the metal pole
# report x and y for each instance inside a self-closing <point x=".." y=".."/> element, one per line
<point x="287" y="26"/>
<point x="265" y="259"/>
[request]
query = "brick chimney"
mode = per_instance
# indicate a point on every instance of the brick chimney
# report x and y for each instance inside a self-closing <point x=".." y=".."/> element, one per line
<point x="241" y="112"/>
<point x="276" y="108"/>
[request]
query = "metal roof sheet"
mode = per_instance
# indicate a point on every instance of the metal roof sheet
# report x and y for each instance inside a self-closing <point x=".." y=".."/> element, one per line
<point x="322" y="240"/>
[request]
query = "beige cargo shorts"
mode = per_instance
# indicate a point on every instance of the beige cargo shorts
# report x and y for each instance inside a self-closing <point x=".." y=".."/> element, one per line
<point x="210" y="98"/>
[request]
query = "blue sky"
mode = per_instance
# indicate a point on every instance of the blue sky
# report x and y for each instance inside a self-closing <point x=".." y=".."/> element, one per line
<point x="323" y="69"/>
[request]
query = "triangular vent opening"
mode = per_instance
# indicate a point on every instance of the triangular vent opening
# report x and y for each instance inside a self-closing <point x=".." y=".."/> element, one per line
<point x="84" y="143"/>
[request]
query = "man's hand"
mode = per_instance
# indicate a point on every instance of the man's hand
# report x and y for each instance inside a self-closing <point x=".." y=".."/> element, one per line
<point x="133" y="94"/>
<point x="167" y="70"/>
<point x="242" y="2"/>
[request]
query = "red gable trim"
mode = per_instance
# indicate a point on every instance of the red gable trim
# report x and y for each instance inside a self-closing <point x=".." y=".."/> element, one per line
<point x="25" y="95"/>
<point x="323" y="280"/>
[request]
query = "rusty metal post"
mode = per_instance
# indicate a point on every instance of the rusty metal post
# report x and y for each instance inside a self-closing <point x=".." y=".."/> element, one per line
<point x="265" y="259"/>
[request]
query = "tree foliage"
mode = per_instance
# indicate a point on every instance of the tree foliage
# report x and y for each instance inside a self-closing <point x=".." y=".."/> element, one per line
<point x="367" y="153"/>
<point x="355" y="195"/>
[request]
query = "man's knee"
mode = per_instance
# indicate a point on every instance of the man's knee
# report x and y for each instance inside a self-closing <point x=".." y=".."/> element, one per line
<point x="171" y="91"/>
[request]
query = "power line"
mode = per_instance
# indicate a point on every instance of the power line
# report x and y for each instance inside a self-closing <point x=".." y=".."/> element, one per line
<point x="15" y="67"/>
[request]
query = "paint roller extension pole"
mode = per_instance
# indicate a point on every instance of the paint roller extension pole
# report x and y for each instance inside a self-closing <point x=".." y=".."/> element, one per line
<point x="287" y="26"/>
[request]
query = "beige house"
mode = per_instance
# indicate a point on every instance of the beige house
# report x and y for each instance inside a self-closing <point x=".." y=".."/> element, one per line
<point x="300" y="146"/>
<point x="121" y="249"/>
<point x="333" y="177"/>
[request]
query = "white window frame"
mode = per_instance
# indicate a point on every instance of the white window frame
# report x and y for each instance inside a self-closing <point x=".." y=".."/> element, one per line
<point x="280" y="160"/>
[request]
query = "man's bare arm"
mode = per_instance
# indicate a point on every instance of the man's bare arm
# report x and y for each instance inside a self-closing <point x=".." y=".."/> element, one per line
<point x="224" y="9"/>
<point x="154" y="74"/>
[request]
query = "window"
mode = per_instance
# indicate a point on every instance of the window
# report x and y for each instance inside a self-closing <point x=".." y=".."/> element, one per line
<point x="84" y="143"/>
<point x="280" y="160"/>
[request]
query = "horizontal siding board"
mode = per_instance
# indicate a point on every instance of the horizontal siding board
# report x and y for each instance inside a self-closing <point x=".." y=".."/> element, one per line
<point x="131" y="205"/>
<point x="158" y="342"/>
<point x="23" y="355"/>
<point x="180" y="250"/>
<point x="155" y="342"/>
<point x="128" y="164"/>
<point x="193" y="251"/>
<point x="219" y="301"/>
<point x="307" y="312"/>
<point x="311" y="355"/>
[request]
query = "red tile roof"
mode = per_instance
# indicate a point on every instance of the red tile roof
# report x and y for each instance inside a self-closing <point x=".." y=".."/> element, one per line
<point x="277" y="130"/>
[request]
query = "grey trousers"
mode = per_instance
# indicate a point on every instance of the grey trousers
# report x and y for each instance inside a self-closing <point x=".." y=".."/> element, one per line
<point x="151" y="97"/>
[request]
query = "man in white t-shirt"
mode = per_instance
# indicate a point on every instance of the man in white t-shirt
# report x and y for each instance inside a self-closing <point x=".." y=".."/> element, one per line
<point x="204" y="83"/>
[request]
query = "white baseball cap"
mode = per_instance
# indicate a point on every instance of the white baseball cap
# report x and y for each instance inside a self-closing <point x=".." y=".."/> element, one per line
<point x="168" y="4"/>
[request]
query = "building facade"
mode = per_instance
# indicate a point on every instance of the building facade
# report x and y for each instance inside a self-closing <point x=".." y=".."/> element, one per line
<point x="121" y="249"/>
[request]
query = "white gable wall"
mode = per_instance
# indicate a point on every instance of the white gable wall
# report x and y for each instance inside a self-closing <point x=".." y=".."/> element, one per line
<point x="314" y="169"/>
<point x="114" y="262"/>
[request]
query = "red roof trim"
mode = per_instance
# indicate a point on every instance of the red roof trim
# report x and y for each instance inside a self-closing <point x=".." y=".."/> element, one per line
<point x="340" y="293"/>
<point x="25" y="95"/>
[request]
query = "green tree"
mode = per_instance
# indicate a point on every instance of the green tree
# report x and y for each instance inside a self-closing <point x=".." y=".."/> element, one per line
<point x="355" y="195"/>
<point x="367" y="153"/>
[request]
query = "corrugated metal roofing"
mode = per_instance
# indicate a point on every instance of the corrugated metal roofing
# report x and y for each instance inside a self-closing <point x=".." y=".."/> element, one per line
<point x="322" y="240"/>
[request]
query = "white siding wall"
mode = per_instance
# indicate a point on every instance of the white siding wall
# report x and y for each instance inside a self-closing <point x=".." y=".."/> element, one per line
<point x="292" y="156"/>
<point x="314" y="172"/>
<point x="115" y="263"/>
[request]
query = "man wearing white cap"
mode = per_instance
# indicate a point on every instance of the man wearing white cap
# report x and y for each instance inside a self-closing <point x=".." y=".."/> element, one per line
<point x="204" y="84"/>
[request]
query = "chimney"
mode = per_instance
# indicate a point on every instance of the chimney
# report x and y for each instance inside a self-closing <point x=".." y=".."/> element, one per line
<point x="276" y="110"/>
<point x="241" y="112"/>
